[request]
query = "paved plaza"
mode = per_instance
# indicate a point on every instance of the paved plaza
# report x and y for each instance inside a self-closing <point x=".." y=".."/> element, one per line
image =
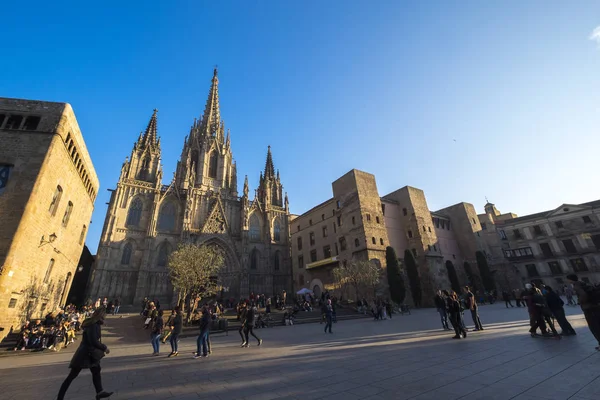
<point x="407" y="357"/>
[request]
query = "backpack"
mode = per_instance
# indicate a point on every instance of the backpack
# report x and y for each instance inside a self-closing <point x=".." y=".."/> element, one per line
<point x="592" y="292"/>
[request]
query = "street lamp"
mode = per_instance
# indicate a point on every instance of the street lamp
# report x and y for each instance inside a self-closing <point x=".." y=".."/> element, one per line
<point x="80" y="268"/>
<point x="51" y="239"/>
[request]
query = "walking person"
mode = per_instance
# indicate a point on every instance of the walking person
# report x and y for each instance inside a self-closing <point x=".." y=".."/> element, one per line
<point x="157" y="330"/>
<point x="176" y="325"/>
<point x="88" y="355"/>
<point x="471" y="303"/>
<point x="569" y="294"/>
<point x="555" y="304"/>
<point x="589" y="300"/>
<point x="249" y="325"/>
<point x="328" y="316"/>
<point x="117" y="305"/>
<point x="202" y="341"/>
<point x="455" y="311"/>
<point x="242" y="317"/>
<point x="440" y="304"/>
<point x="519" y="298"/>
<point x="506" y="298"/>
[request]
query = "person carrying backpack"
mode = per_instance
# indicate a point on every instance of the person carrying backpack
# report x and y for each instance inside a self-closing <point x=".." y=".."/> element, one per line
<point x="589" y="300"/>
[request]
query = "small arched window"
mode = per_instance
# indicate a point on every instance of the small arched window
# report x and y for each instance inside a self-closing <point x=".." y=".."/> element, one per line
<point x="55" y="200"/>
<point x="163" y="254"/>
<point x="67" y="216"/>
<point x="374" y="240"/>
<point x="49" y="270"/>
<point x="277" y="231"/>
<point x="82" y="235"/>
<point x="135" y="212"/>
<point x="254" y="228"/>
<point x="381" y="241"/>
<point x="276" y="260"/>
<point x="126" y="257"/>
<point x="166" y="218"/>
<point x="212" y="165"/>
<point x="254" y="259"/>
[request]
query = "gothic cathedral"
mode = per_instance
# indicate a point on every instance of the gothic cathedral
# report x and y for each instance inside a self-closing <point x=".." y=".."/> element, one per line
<point x="146" y="220"/>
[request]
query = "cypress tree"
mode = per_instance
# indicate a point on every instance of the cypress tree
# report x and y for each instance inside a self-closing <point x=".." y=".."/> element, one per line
<point x="413" y="276"/>
<point x="484" y="270"/>
<point x="395" y="279"/>
<point x="454" y="283"/>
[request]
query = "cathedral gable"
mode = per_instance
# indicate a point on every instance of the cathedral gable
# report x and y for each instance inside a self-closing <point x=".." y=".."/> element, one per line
<point x="216" y="221"/>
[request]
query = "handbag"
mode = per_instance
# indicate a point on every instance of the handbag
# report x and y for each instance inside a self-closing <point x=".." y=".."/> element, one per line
<point x="96" y="354"/>
<point x="148" y="320"/>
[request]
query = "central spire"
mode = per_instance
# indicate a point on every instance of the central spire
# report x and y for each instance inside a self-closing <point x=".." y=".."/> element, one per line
<point x="269" y="168"/>
<point x="211" y="120"/>
<point x="150" y="137"/>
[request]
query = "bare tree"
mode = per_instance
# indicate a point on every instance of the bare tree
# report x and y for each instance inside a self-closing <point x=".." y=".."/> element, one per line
<point x="193" y="271"/>
<point x="360" y="275"/>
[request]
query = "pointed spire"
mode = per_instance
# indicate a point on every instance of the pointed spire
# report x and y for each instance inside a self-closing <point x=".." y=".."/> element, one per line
<point x="150" y="137"/>
<point x="246" y="186"/>
<point x="212" y="117"/>
<point x="228" y="140"/>
<point x="269" y="169"/>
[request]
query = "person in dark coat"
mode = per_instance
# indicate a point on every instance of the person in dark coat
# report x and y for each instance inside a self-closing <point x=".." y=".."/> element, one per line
<point x="249" y="325"/>
<point x="555" y="304"/>
<point x="176" y="326"/>
<point x="328" y="316"/>
<point x="88" y="355"/>
<point x="202" y="341"/>
<point x="455" y="311"/>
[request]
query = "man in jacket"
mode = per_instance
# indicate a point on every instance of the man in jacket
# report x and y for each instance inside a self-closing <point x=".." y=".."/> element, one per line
<point x="176" y="325"/>
<point x="202" y="341"/>
<point x="471" y="303"/>
<point x="590" y="308"/>
<point x="242" y="317"/>
<point x="555" y="304"/>
<point x="249" y="325"/>
<point x="440" y="304"/>
<point x="328" y="316"/>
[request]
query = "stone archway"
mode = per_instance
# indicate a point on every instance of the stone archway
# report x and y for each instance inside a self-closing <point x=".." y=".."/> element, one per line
<point x="230" y="277"/>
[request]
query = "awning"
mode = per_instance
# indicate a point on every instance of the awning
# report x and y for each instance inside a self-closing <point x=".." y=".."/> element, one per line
<point x="322" y="262"/>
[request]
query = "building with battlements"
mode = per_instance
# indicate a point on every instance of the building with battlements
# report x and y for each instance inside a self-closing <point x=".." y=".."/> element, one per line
<point x="48" y="186"/>
<point x="146" y="219"/>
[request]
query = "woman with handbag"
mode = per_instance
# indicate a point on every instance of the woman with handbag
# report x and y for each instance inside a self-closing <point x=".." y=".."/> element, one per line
<point x="88" y="355"/>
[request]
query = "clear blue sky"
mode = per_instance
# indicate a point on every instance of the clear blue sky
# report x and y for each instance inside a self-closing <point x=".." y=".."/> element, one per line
<point x="382" y="86"/>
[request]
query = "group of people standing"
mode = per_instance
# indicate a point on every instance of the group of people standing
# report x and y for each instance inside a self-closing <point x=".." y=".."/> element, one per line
<point x="451" y="307"/>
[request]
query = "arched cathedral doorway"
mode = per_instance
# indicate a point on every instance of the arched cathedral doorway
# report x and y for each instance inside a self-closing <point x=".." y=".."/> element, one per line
<point x="230" y="276"/>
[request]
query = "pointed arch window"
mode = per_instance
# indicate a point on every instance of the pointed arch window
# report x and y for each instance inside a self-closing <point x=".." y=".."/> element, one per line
<point x="212" y="165"/>
<point x="67" y="216"/>
<point x="254" y="259"/>
<point x="126" y="257"/>
<point x="55" y="200"/>
<point x="277" y="230"/>
<point x="166" y="218"/>
<point x="254" y="228"/>
<point x="134" y="214"/>
<point x="276" y="260"/>
<point x="163" y="255"/>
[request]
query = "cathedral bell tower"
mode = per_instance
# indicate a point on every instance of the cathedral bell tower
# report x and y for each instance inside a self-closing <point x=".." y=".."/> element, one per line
<point x="144" y="163"/>
<point x="206" y="160"/>
<point x="270" y="190"/>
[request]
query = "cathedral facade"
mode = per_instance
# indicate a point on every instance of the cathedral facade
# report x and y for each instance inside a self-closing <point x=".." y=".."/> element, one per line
<point x="146" y="219"/>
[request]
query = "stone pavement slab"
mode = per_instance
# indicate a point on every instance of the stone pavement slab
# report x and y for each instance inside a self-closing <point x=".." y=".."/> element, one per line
<point x="408" y="357"/>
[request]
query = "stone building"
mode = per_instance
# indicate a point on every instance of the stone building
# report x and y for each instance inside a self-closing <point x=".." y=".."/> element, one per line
<point x="47" y="190"/>
<point x="146" y="219"/>
<point x="545" y="247"/>
<point x="348" y="226"/>
<point x="444" y="242"/>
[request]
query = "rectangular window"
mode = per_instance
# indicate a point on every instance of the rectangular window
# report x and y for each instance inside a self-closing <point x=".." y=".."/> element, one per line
<point x="579" y="265"/>
<point x="299" y="243"/>
<point x="31" y="123"/>
<point x="546" y="250"/>
<point x="483" y="226"/>
<point x="404" y="212"/>
<point x="377" y="219"/>
<point x="596" y="240"/>
<point x="82" y="236"/>
<point x="532" y="270"/>
<point x="12" y="303"/>
<point x="14" y="122"/>
<point x="336" y="248"/>
<point x="554" y="268"/>
<point x="559" y="224"/>
<point x="313" y="255"/>
<point x="298" y="228"/>
<point x="587" y="219"/>
<point x="569" y="246"/>
<point x="353" y="221"/>
<point x="322" y="217"/>
<point x="49" y="271"/>
<point x="414" y="251"/>
<point x="324" y="231"/>
<point x="339" y="221"/>
<point x="311" y="237"/>
<point x="368" y="217"/>
<point x="4" y="175"/>
<point x="517" y="234"/>
<point x="343" y="243"/>
<point x="300" y="261"/>
<point x="502" y="234"/>
<point x="310" y="222"/>
<point x="410" y="234"/>
<point x="537" y="230"/>
<point x="326" y="251"/>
